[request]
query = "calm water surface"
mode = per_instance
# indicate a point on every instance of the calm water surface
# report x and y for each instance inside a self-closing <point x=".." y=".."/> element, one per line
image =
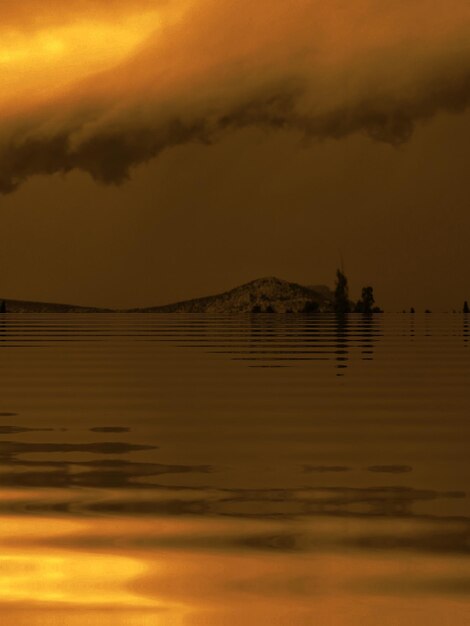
<point x="218" y="471"/>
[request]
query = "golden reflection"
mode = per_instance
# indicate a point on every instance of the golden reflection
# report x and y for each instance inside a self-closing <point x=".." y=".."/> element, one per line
<point x="131" y="571"/>
<point x="69" y="577"/>
<point x="45" y="572"/>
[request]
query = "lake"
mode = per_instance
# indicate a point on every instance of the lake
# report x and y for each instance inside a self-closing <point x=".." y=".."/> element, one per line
<point x="202" y="470"/>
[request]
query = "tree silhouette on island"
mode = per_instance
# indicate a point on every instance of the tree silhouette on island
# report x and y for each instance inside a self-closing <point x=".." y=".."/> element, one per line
<point x="343" y="305"/>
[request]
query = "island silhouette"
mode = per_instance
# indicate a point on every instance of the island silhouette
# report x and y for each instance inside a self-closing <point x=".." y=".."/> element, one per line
<point x="263" y="295"/>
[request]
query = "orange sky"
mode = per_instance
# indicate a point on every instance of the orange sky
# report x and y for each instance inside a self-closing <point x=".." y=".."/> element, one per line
<point x="221" y="111"/>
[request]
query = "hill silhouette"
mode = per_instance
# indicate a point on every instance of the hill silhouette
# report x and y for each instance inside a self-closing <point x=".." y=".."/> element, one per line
<point x="269" y="295"/>
<point x="264" y="295"/>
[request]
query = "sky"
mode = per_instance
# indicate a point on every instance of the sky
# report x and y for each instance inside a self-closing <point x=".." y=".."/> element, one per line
<point x="157" y="150"/>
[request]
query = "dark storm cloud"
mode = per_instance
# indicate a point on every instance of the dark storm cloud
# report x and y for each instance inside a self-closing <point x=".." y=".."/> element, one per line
<point x="111" y="152"/>
<point x="226" y="67"/>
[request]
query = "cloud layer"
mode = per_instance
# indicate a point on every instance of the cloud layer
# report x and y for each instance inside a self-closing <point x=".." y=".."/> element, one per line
<point x="31" y="14"/>
<point x="210" y="68"/>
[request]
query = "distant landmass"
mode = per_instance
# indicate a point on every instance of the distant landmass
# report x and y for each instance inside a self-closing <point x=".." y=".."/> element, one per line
<point x="25" y="306"/>
<point x="264" y="295"/>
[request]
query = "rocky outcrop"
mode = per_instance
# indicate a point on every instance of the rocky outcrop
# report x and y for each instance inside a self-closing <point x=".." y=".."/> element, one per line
<point x="264" y="295"/>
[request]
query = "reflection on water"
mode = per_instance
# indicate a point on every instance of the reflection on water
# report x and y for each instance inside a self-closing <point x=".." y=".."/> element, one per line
<point x="264" y="469"/>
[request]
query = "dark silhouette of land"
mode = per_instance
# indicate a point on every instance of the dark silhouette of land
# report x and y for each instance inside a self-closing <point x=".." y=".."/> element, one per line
<point x="27" y="306"/>
<point x="264" y="295"/>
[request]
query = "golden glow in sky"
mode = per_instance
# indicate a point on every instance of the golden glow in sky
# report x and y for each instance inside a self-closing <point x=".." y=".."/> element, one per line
<point x="53" y="57"/>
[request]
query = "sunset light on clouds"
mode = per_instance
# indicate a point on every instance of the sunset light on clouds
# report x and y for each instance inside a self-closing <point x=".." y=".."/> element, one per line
<point x="182" y="72"/>
<point x="106" y="89"/>
<point x="37" y="61"/>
